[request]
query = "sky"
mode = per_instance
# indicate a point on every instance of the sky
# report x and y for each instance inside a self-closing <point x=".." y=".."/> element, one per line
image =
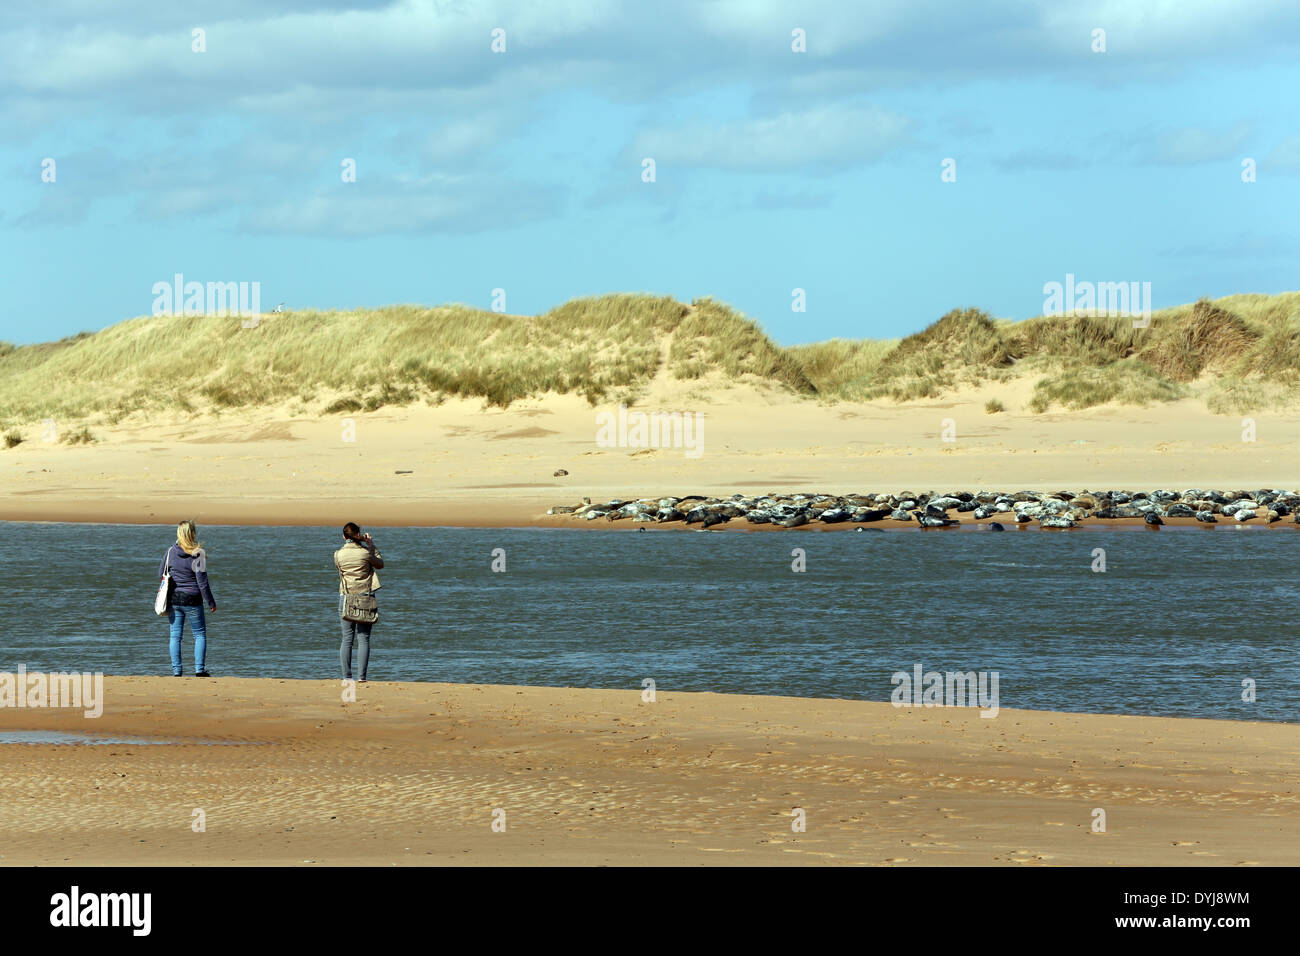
<point x="795" y="146"/>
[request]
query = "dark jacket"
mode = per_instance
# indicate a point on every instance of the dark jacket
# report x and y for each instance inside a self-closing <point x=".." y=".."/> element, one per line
<point x="186" y="579"/>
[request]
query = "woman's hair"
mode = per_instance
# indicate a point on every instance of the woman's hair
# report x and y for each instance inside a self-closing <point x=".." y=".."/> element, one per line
<point x="352" y="531"/>
<point x="187" y="536"/>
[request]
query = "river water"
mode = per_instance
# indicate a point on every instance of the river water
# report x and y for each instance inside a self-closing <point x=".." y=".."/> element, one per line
<point x="1173" y="626"/>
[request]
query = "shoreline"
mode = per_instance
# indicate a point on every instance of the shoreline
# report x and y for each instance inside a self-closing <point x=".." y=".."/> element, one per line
<point x="503" y="688"/>
<point x="504" y="515"/>
<point x="461" y="465"/>
<point x="412" y="774"/>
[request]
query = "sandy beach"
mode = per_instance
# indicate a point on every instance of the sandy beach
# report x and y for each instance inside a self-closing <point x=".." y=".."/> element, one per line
<point x="473" y="466"/>
<point x="345" y="339"/>
<point x="410" y="774"/>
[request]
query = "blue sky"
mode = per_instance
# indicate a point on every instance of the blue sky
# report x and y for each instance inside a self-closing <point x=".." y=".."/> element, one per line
<point x="521" y="170"/>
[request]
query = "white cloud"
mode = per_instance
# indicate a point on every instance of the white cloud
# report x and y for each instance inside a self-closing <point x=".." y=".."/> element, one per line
<point x="1285" y="156"/>
<point x="832" y="136"/>
<point x="406" y="86"/>
<point x="435" y="204"/>
<point x="142" y="54"/>
<point x="1191" y="145"/>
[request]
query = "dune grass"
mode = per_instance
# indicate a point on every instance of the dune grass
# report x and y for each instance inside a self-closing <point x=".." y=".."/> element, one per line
<point x="842" y="368"/>
<point x="1238" y="353"/>
<point x="1124" y="383"/>
<point x="1236" y="396"/>
<point x="78" y="436"/>
<point x="390" y="356"/>
<point x="714" y="338"/>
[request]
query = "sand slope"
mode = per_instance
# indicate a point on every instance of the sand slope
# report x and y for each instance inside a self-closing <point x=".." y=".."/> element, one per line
<point x="411" y="773"/>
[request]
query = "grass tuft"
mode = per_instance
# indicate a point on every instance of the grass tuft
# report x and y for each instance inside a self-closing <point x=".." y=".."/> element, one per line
<point x="1128" y="382"/>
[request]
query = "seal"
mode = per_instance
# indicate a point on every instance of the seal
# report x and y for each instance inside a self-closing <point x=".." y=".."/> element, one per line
<point x="933" y="520"/>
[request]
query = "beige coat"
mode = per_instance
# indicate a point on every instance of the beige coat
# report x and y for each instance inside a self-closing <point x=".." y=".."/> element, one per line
<point x="358" y="567"/>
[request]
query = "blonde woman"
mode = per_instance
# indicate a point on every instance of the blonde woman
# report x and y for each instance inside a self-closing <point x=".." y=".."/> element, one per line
<point x="188" y="564"/>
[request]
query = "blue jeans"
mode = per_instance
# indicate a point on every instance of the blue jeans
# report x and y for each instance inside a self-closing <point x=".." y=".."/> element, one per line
<point x="177" y="615"/>
<point x="360" y="633"/>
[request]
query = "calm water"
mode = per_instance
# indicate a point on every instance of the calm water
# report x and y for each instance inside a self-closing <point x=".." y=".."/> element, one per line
<point x="46" y="737"/>
<point x="1172" y="627"/>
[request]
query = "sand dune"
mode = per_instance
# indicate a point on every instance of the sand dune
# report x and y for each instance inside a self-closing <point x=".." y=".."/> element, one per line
<point x="411" y="774"/>
<point x="474" y="413"/>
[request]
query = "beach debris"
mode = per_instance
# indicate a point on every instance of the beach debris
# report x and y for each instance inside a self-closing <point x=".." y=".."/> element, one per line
<point x="560" y="473"/>
<point x="404" y="472"/>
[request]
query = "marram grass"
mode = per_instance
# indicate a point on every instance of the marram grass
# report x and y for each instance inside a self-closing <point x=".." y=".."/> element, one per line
<point x="1238" y="353"/>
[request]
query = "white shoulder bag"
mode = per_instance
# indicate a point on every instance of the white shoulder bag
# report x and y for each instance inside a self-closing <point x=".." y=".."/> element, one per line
<point x="164" y="587"/>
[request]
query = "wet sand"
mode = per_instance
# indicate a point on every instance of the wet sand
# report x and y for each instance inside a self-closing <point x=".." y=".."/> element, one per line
<point x="411" y="774"/>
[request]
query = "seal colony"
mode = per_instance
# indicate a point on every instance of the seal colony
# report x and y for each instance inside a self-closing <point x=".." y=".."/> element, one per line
<point x="1047" y="510"/>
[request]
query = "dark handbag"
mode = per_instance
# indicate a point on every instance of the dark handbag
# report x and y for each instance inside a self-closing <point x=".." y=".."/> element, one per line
<point x="360" y="608"/>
